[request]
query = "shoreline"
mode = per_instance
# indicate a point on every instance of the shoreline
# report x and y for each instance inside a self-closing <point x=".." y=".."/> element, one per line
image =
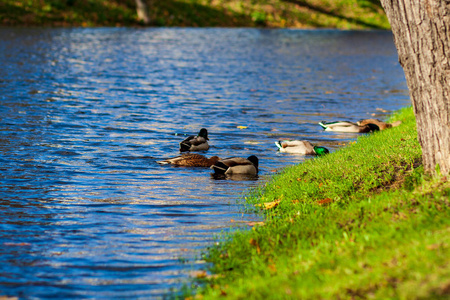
<point x="364" y="221"/>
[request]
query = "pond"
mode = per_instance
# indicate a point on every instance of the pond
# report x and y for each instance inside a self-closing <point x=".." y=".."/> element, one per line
<point x="86" y="113"/>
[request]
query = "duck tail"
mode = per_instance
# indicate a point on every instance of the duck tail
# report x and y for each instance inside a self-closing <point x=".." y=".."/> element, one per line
<point x="162" y="162"/>
<point x="184" y="147"/>
<point x="278" y="144"/>
<point x="219" y="168"/>
<point x="323" y="124"/>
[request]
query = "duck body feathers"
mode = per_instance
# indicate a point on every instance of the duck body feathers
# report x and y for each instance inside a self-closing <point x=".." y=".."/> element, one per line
<point x="190" y="160"/>
<point x="382" y="125"/>
<point x="236" y="165"/>
<point x="300" y="147"/>
<point x="347" y="126"/>
<point x="195" y="143"/>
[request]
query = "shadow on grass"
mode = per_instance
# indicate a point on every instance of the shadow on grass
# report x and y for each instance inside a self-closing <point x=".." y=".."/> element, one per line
<point x="66" y="13"/>
<point x="179" y="13"/>
<point x="114" y="13"/>
<point x="374" y="5"/>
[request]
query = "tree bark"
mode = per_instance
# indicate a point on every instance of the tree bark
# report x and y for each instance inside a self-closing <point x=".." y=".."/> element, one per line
<point x="421" y="30"/>
<point x="142" y="11"/>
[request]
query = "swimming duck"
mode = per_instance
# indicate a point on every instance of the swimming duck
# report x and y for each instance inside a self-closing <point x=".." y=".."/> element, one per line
<point x="346" y="126"/>
<point x="195" y="143"/>
<point x="300" y="147"/>
<point x="382" y="125"/>
<point x="190" y="160"/>
<point x="237" y="165"/>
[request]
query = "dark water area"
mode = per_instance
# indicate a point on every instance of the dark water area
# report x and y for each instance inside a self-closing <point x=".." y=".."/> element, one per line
<point x="86" y="212"/>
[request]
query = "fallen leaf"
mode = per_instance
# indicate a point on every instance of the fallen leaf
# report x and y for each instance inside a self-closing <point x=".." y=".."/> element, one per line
<point x="270" y="205"/>
<point x="272" y="268"/>
<point x="295" y="201"/>
<point x="242" y="127"/>
<point x="255" y="223"/>
<point x="433" y="246"/>
<point x="325" y="201"/>
<point x="255" y="243"/>
<point x="198" y="274"/>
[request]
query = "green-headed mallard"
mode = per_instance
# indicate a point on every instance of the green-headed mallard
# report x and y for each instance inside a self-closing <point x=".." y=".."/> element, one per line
<point x="382" y="125"/>
<point x="237" y="165"/>
<point x="300" y="147"/>
<point x="196" y="143"/>
<point x="346" y="126"/>
<point x="190" y="160"/>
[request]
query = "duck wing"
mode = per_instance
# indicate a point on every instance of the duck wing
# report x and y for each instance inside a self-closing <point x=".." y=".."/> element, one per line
<point x="187" y="143"/>
<point x="341" y="126"/>
<point x="198" y="140"/>
<point x="223" y="165"/>
<point x="182" y="159"/>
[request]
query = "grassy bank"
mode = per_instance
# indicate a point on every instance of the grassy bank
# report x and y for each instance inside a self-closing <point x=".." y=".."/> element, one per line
<point x="345" y="14"/>
<point x="363" y="222"/>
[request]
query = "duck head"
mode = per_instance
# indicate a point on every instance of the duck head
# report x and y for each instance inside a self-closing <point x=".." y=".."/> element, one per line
<point x="254" y="160"/>
<point x="203" y="133"/>
<point x="321" y="150"/>
<point x="373" y="127"/>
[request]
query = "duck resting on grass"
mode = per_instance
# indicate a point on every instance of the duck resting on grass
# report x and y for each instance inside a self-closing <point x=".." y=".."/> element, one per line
<point x="190" y="160"/>
<point x="237" y="165"/>
<point x="382" y="125"/>
<point x="195" y="143"/>
<point x="300" y="147"/>
<point x="346" y="126"/>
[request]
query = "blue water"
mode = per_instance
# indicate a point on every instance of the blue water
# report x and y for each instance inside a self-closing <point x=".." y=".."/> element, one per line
<point x="86" y="212"/>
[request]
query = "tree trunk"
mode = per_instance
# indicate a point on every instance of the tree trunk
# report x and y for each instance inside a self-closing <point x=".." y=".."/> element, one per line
<point x="421" y="31"/>
<point x="142" y="11"/>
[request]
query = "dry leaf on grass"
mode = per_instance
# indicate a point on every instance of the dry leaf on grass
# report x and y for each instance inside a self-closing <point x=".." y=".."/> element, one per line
<point x="269" y="205"/>
<point x="325" y="201"/>
<point x="255" y="223"/>
<point x="255" y="243"/>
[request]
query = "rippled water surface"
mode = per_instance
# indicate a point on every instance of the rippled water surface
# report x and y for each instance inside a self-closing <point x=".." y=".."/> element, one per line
<point x="86" y="212"/>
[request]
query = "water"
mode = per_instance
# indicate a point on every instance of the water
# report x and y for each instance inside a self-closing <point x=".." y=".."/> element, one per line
<point x="86" y="212"/>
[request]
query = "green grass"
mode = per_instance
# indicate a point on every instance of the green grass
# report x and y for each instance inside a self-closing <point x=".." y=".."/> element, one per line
<point x="384" y="232"/>
<point x="344" y="14"/>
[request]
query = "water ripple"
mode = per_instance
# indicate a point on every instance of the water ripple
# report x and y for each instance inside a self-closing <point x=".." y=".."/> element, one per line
<point x="86" y="113"/>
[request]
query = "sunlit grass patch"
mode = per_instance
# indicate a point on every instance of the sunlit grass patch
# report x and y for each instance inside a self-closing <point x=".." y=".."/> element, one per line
<point x="359" y="223"/>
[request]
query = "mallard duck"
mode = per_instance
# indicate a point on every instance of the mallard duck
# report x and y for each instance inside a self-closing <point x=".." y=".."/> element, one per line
<point x="237" y="165"/>
<point x="346" y="126"/>
<point x="195" y="143"/>
<point x="382" y="125"/>
<point x="190" y="160"/>
<point x="300" y="147"/>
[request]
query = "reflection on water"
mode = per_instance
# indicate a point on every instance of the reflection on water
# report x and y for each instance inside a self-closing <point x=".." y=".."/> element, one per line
<point x="86" y="113"/>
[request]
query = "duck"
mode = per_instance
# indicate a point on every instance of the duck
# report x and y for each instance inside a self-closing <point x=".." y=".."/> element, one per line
<point x="237" y="165"/>
<point x="190" y="160"/>
<point x="300" y="147"/>
<point x="196" y="143"/>
<point x="382" y="125"/>
<point x="346" y="126"/>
